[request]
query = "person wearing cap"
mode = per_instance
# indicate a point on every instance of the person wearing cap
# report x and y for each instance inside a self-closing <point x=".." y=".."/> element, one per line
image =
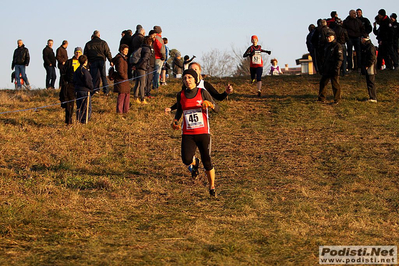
<point x="160" y="55"/>
<point x="395" y="33"/>
<point x="67" y="92"/>
<point x="61" y="55"/>
<point x="83" y="89"/>
<point x="333" y="57"/>
<point x="342" y="38"/>
<point x="385" y="43"/>
<point x="368" y="66"/>
<point x="256" y="63"/>
<point x="97" y="52"/>
<point x="193" y="104"/>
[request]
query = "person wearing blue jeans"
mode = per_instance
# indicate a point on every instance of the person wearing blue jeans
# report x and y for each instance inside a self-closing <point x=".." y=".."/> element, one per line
<point x="20" y="61"/>
<point x="49" y="64"/>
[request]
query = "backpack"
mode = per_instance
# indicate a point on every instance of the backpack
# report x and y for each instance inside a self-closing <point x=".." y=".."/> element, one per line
<point x="111" y="73"/>
<point x="135" y="57"/>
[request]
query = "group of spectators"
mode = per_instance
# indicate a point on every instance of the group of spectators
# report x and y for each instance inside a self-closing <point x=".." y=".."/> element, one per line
<point x="86" y="69"/>
<point x="348" y="33"/>
<point x="338" y="47"/>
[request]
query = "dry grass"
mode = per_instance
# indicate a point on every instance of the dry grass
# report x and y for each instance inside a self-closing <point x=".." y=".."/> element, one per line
<point x="291" y="175"/>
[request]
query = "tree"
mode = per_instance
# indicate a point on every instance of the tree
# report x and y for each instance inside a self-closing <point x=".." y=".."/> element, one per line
<point x="218" y="64"/>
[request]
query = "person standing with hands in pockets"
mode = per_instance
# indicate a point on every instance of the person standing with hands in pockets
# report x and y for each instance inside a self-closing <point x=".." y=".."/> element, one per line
<point x="193" y="104"/>
<point x="256" y="64"/>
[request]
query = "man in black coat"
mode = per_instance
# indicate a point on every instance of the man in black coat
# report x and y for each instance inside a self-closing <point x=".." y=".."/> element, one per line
<point x="62" y="56"/>
<point x="385" y="41"/>
<point x="365" y="21"/>
<point x="333" y="57"/>
<point x="97" y="51"/>
<point x="20" y="61"/>
<point x="49" y="64"/>
<point x="395" y="34"/>
<point x="355" y="29"/>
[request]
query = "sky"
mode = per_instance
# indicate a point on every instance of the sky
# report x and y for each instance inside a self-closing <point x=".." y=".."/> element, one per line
<point x="192" y="27"/>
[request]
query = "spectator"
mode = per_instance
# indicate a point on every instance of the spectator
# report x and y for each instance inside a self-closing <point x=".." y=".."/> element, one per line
<point x="160" y="55"/>
<point x="121" y="83"/>
<point x="126" y="37"/>
<point x="62" y="57"/>
<point x="136" y="43"/>
<point x="177" y="65"/>
<point x="187" y="61"/>
<point x="141" y="68"/>
<point x="151" y="69"/>
<point x="385" y="42"/>
<point x="97" y="51"/>
<point x="67" y="92"/>
<point x="20" y="61"/>
<point x="330" y="71"/>
<point x="365" y="21"/>
<point x="368" y="67"/>
<point x="355" y="29"/>
<point x="309" y="44"/>
<point x="83" y="83"/>
<point x="342" y="38"/>
<point x="49" y="64"/>
<point x="331" y="22"/>
<point x="319" y="42"/>
<point x="395" y="34"/>
<point x="165" y="66"/>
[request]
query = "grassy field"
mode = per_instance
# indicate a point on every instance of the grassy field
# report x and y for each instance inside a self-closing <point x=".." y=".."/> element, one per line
<point x="291" y="174"/>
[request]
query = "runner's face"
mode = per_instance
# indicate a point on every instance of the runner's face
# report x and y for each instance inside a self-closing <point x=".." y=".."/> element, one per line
<point x="196" y="68"/>
<point x="189" y="81"/>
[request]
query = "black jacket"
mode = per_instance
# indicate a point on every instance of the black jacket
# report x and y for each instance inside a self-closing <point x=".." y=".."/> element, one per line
<point x="48" y="56"/>
<point x="146" y="53"/>
<point x="333" y="57"/>
<point x="369" y="57"/>
<point x="354" y="26"/>
<point x="136" y="42"/>
<point x="342" y="34"/>
<point x="20" y="57"/>
<point x="366" y="24"/>
<point x="61" y="56"/>
<point x="385" y="33"/>
<point x="97" y="50"/>
<point x="82" y="80"/>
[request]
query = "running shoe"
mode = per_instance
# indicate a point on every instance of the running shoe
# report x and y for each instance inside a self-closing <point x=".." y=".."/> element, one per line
<point x="194" y="169"/>
<point x="259" y="93"/>
<point x="212" y="192"/>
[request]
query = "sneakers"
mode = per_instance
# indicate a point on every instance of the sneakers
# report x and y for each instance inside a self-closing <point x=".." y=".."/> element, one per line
<point x="259" y="93"/>
<point x="212" y="192"/>
<point x="144" y="102"/>
<point x="371" y="100"/>
<point x="194" y="169"/>
<point x="137" y="101"/>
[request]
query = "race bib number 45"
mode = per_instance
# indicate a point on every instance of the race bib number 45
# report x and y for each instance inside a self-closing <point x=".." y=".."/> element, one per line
<point x="194" y="118"/>
<point x="257" y="58"/>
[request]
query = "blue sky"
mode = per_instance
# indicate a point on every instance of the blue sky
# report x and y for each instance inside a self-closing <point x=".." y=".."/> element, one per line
<point x="193" y="27"/>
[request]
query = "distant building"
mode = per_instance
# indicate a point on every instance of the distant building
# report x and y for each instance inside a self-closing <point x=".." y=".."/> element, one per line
<point x="306" y="63"/>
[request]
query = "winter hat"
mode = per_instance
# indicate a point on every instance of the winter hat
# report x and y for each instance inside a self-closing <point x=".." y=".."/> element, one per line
<point x="78" y="49"/>
<point x="192" y="73"/>
<point x="382" y="12"/>
<point x="393" y="15"/>
<point x="254" y="37"/>
<point x="157" y="29"/>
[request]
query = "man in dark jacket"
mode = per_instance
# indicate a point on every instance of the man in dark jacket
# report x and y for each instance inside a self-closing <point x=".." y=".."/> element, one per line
<point x="395" y="33"/>
<point x="385" y="41"/>
<point x="136" y="42"/>
<point x="97" y="52"/>
<point x="62" y="56"/>
<point x="365" y="21"/>
<point x="368" y="66"/>
<point x="49" y="64"/>
<point x="20" y="61"/>
<point x="342" y="38"/>
<point x="333" y="58"/>
<point x="355" y="30"/>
